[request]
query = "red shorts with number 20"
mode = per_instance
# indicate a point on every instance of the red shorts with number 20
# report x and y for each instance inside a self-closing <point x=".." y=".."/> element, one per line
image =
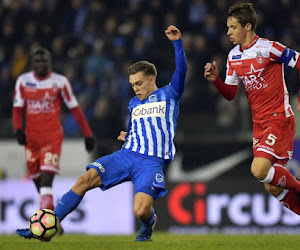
<point x="274" y="139"/>
<point x="43" y="153"/>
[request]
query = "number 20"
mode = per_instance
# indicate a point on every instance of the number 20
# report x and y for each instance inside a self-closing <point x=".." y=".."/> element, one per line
<point x="51" y="159"/>
<point x="271" y="139"/>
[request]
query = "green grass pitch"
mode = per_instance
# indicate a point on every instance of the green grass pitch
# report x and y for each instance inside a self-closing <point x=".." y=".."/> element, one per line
<point x="161" y="241"/>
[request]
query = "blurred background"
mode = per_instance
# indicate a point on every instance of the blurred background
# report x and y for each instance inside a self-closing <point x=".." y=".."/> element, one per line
<point x="92" y="43"/>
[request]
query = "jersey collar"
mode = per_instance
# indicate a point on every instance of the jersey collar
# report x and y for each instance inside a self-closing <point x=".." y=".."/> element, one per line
<point x="249" y="45"/>
<point x="42" y="78"/>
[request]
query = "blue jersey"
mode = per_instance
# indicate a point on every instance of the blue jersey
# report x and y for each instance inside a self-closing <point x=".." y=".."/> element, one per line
<point x="153" y="121"/>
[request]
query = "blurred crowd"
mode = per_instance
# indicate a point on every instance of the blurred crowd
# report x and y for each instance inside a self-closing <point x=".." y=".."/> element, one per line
<point x="94" y="41"/>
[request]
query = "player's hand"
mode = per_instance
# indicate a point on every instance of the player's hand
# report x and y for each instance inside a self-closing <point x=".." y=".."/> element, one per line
<point x="173" y="33"/>
<point x="298" y="108"/>
<point x="211" y="71"/>
<point x="122" y="136"/>
<point x="21" y="137"/>
<point x="89" y="143"/>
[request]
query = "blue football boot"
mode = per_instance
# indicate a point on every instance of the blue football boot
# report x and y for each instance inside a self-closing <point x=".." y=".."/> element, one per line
<point x="26" y="233"/>
<point x="144" y="234"/>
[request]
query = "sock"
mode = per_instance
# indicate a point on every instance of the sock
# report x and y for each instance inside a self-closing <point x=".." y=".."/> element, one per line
<point x="289" y="199"/>
<point x="281" y="177"/>
<point x="46" y="198"/>
<point x="67" y="204"/>
<point x="46" y="201"/>
<point x="149" y="223"/>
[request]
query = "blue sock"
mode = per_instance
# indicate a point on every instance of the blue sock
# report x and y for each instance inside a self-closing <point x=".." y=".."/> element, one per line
<point x="67" y="204"/>
<point x="149" y="223"/>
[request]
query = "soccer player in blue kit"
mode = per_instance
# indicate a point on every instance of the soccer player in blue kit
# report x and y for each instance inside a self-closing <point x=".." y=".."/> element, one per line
<point x="148" y="144"/>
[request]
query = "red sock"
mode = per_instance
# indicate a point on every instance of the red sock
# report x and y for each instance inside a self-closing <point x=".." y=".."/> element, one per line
<point x="291" y="202"/>
<point x="283" y="178"/>
<point x="46" y="201"/>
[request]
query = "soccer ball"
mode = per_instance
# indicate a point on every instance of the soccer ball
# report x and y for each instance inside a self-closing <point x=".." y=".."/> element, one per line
<point x="44" y="224"/>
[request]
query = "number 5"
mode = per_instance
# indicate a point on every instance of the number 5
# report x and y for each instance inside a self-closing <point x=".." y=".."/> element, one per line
<point x="271" y="139"/>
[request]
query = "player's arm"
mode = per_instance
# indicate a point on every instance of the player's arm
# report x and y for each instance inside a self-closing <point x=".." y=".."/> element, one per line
<point x="178" y="79"/>
<point x="285" y="55"/>
<point x="71" y="102"/>
<point x="17" y="113"/>
<point x="211" y="73"/>
<point x="122" y="136"/>
<point x="288" y="57"/>
<point x="83" y="123"/>
<point x="291" y="58"/>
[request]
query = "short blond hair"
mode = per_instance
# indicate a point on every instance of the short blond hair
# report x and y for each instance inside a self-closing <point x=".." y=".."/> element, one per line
<point x="142" y="66"/>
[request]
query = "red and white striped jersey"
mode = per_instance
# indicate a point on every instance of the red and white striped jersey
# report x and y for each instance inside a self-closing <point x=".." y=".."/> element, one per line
<point x="42" y="99"/>
<point x="260" y="67"/>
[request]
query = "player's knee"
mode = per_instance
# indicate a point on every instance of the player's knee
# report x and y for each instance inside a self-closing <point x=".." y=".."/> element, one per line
<point x="88" y="181"/>
<point x="82" y="183"/>
<point x="142" y="212"/>
<point x="269" y="188"/>
<point x="258" y="172"/>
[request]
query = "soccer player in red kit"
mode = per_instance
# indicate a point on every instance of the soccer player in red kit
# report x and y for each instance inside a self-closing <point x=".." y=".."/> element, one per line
<point x="259" y="65"/>
<point x="38" y="97"/>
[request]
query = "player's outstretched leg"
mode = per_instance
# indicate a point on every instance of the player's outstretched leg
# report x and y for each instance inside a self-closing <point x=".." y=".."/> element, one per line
<point x="145" y="232"/>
